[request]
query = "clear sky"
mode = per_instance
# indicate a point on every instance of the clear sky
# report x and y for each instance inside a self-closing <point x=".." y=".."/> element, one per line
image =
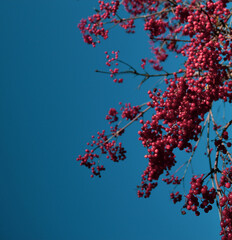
<point x="52" y="101"/>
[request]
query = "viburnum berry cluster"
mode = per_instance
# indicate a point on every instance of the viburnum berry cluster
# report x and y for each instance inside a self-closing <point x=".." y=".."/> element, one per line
<point x="200" y="196"/>
<point x="198" y="33"/>
<point x="109" y="62"/>
<point x="177" y="197"/>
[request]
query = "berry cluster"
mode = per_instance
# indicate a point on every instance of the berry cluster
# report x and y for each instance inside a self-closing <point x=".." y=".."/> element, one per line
<point x="128" y="112"/>
<point x="112" y="115"/>
<point x="160" y="53"/>
<point x="172" y="180"/>
<point x="155" y="27"/>
<point x="193" y="199"/>
<point x="176" y="197"/>
<point x="109" y="62"/>
<point x="226" y="204"/>
<point x="136" y="7"/>
<point x="109" y="148"/>
<point x="225" y="180"/>
<point x="145" y="189"/>
<point x="92" y="28"/>
<point x="128" y="25"/>
<point x="144" y="61"/>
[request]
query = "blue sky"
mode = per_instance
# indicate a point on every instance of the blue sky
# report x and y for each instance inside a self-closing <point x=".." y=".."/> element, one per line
<point x="52" y="101"/>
